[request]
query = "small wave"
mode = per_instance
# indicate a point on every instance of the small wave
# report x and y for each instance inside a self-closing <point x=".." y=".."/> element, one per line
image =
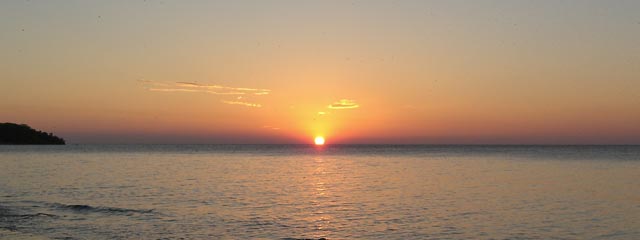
<point x="14" y="233"/>
<point x="28" y="215"/>
<point x="12" y="213"/>
<point x="110" y="210"/>
<point x="304" y="239"/>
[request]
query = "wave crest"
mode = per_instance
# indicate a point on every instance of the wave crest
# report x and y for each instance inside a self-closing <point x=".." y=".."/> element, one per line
<point x="100" y="209"/>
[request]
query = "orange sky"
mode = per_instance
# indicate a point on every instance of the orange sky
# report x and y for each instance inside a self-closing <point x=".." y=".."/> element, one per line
<point x="542" y="72"/>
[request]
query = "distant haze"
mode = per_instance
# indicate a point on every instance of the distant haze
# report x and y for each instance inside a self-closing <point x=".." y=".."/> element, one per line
<point x="468" y="72"/>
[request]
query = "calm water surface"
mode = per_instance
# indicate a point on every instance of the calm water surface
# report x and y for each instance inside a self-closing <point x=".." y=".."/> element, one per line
<point x="335" y="192"/>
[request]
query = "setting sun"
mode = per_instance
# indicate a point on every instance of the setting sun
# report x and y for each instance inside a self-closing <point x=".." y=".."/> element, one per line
<point x="319" y="140"/>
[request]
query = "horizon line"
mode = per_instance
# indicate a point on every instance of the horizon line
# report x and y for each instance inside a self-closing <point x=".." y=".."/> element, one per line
<point x="353" y="144"/>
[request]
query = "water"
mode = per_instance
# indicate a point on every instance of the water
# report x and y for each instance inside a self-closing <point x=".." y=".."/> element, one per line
<point x="335" y="192"/>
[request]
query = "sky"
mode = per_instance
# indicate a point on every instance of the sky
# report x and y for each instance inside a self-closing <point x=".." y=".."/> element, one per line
<point x="396" y="72"/>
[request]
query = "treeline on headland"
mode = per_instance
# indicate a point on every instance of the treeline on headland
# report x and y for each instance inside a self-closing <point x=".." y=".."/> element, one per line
<point x="22" y="134"/>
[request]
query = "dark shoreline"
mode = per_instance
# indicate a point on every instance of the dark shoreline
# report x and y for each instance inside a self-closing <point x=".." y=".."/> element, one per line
<point x="22" y="134"/>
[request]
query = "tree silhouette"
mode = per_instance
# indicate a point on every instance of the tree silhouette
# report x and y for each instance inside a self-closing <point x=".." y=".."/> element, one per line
<point x="11" y="133"/>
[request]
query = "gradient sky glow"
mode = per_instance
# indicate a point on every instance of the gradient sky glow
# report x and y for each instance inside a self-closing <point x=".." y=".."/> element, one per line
<point x="468" y="72"/>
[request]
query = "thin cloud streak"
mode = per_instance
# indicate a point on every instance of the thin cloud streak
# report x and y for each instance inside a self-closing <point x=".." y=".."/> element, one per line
<point x="248" y="104"/>
<point x="204" y="88"/>
<point x="194" y="90"/>
<point x="344" y="104"/>
<point x="271" y="127"/>
<point x="171" y="90"/>
<point x="191" y="87"/>
<point x="256" y="91"/>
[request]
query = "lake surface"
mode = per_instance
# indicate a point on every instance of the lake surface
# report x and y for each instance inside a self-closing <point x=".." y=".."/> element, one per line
<point x="333" y="192"/>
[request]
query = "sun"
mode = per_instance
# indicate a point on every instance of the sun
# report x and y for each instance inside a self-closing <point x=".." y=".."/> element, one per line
<point x="319" y="140"/>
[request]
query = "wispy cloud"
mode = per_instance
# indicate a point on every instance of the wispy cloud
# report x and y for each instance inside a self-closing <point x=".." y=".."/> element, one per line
<point x="193" y="90"/>
<point x="271" y="127"/>
<point x="171" y="90"/>
<point x="206" y="87"/>
<point x="192" y="87"/>
<point x="344" y="104"/>
<point x="156" y="86"/>
<point x="248" y="104"/>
